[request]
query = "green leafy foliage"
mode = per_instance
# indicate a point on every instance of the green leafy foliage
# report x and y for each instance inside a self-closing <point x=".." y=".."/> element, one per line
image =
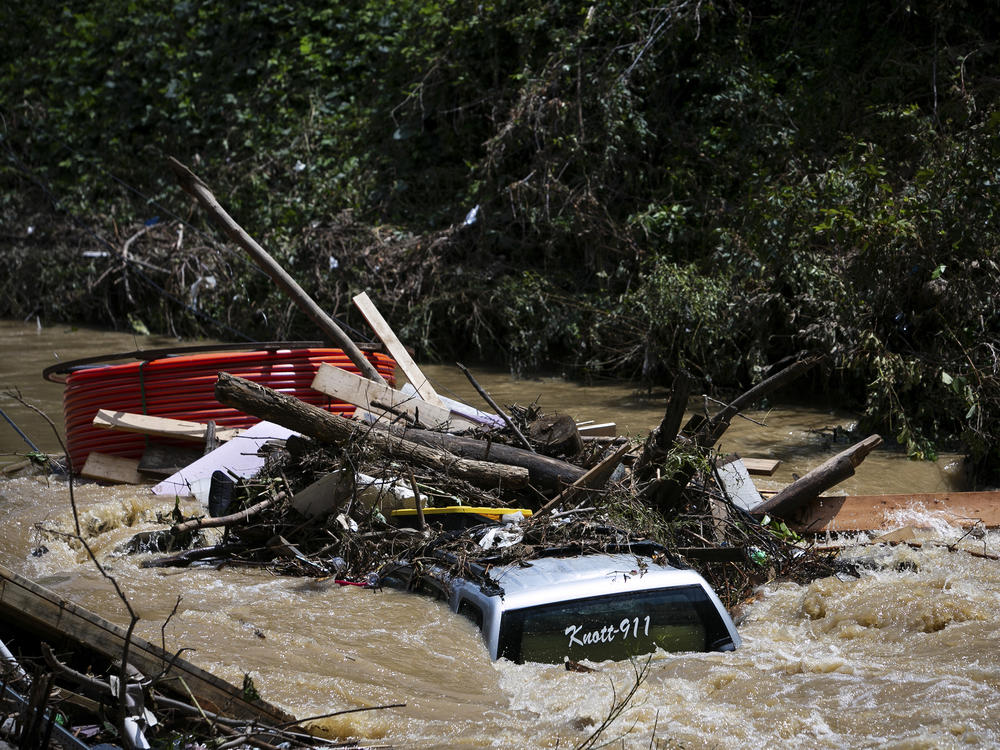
<point x="706" y="185"/>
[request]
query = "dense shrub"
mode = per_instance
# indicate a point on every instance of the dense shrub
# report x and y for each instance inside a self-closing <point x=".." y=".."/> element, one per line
<point x="716" y="186"/>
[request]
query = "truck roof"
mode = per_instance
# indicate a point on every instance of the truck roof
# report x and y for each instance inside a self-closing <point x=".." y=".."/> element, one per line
<point x="551" y="579"/>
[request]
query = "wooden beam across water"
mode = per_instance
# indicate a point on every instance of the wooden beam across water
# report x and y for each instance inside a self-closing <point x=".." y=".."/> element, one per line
<point x="42" y="611"/>
<point x="874" y="512"/>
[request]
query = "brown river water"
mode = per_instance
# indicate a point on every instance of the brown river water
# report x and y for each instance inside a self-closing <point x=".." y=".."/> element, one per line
<point x="904" y="657"/>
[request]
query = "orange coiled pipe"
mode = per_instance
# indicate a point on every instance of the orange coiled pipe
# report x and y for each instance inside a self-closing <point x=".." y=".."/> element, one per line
<point x="183" y="387"/>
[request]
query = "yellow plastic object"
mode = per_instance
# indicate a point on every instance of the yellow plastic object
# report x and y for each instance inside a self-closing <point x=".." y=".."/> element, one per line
<point x="451" y="514"/>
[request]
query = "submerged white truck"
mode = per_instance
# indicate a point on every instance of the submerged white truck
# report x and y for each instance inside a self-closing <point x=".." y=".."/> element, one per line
<point x="602" y="606"/>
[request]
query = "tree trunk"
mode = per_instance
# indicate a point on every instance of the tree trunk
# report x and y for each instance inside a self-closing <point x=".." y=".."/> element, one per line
<point x="556" y="435"/>
<point x="665" y="493"/>
<point x="661" y="439"/>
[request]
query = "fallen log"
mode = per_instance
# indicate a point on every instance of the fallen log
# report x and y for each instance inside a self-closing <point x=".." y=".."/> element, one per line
<point x="828" y="474"/>
<point x="293" y="414"/>
<point x="545" y="472"/>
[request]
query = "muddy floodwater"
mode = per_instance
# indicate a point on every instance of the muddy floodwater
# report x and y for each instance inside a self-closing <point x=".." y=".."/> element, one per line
<point x="906" y="656"/>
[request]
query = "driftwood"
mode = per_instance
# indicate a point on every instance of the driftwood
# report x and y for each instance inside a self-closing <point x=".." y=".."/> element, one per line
<point x="715" y="427"/>
<point x="493" y="405"/>
<point x="195" y="187"/>
<point x="287" y="411"/>
<point x="205" y="523"/>
<point x="593" y="479"/>
<point x="832" y="472"/>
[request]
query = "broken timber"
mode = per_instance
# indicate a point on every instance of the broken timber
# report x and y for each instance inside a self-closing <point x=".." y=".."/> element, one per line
<point x="294" y="414"/>
<point x="545" y="472"/>
<point x="42" y="610"/>
<point x="593" y="479"/>
<point x="763" y="467"/>
<point x="107" y="468"/>
<point x="396" y="350"/>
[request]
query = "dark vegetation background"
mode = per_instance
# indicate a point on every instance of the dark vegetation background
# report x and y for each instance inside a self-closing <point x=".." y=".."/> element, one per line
<point x="713" y="186"/>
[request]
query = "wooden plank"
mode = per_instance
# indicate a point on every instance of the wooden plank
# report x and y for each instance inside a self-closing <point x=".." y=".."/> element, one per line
<point x="379" y="398"/>
<point x="41" y="609"/>
<point x="604" y="429"/>
<point x="762" y="467"/>
<point x="395" y="348"/>
<point x="105" y="468"/>
<point x="158" y="426"/>
<point x="873" y="512"/>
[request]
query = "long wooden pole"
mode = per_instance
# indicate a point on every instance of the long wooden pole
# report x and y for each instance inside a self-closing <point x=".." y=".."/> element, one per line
<point x="190" y="182"/>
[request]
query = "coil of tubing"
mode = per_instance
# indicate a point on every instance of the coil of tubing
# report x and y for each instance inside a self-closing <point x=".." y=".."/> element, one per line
<point x="183" y="387"/>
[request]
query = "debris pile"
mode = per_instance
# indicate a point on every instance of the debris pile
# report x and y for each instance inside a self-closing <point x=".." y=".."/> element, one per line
<point x="345" y="499"/>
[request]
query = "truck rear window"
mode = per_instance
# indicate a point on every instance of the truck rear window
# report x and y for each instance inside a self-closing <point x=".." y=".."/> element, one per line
<point x="614" y="627"/>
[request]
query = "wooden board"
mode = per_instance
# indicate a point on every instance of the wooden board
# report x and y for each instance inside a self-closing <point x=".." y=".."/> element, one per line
<point x="870" y="512"/>
<point x="40" y="609"/>
<point x="396" y="349"/>
<point x="158" y="426"/>
<point x="105" y="468"/>
<point x="605" y="429"/>
<point x="761" y="467"/>
<point x="482" y="418"/>
<point x="368" y="395"/>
